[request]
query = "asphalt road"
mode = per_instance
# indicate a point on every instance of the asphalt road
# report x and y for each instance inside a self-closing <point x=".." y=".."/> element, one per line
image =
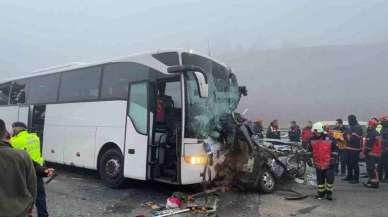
<point x="79" y="193"/>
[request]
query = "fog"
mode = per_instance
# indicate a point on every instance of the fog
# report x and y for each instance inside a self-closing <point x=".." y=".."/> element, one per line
<point x="300" y="59"/>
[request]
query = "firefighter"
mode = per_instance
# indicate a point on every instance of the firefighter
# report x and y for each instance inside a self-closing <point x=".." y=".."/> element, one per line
<point x="353" y="138"/>
<point x="324" y="152"/>
<point x="373" y="154"/>
<point x="30" y="142"/>
<point x="384" y="146"/>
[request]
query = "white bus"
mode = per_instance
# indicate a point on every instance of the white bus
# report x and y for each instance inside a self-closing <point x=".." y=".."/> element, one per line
<point x="142" y="117"/>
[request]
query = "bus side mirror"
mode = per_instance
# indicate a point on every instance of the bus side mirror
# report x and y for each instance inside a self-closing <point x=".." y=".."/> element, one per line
<point x="203" y="86"/>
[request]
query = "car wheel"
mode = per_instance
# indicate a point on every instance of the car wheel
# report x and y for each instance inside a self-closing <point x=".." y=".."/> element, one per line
<point x="111" y="168"/>
<point x="267" y="181"/>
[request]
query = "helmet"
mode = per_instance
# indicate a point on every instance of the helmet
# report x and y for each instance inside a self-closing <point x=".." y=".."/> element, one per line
<point x="372" y="123"/>
<point x="318" y="127"/>
<point x="384" y="118"/>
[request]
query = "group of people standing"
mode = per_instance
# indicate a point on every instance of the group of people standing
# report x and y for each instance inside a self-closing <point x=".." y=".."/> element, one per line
<point x="273" y="130"/>
<point x="338" y="149"/>
<point x="22" y="171"/>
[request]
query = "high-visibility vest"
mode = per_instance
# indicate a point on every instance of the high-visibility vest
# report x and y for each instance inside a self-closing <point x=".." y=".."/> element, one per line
<point x="29" y="142"/>
<point x="379" y="128"/>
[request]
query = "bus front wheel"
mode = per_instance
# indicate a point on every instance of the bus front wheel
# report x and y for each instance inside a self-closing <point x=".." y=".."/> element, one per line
<point x="111" y="168"/>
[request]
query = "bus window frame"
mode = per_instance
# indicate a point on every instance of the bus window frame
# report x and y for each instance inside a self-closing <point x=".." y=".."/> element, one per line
<point x="147" y="82"/>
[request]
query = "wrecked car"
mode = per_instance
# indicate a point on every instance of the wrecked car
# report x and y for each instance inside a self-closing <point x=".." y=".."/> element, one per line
<point x="252" y="163"/>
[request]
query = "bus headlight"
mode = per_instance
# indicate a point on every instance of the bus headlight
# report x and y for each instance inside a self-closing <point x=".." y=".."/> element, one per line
<point x="196" y="159"/>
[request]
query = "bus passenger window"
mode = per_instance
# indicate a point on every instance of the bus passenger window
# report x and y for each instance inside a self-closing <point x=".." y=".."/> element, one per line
<point x="4" y="93"/>
<point x="117" y="77"/>
<point x="18" y="92"/>
<point x="80" y="85"/>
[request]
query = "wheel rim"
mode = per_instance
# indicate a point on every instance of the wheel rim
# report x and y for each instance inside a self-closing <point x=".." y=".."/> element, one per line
<point x="112" y="168"/>
<point x="268" y="180"/>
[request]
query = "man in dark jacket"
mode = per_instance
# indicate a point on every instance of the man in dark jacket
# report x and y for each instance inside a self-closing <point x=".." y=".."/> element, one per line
<point x="307" y="134"/>
<point x="273" y="131"/>
<point x="258" y="128"/>
<point x="353" y="137"/>
<point x="383" y="169"/>
<point x="18" y="180"/>
<point x="294" y="132"/>
<point x="373" y="154"/>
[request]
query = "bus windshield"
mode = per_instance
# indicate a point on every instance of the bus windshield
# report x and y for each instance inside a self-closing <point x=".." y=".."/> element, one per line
<point x="203" y="114"/>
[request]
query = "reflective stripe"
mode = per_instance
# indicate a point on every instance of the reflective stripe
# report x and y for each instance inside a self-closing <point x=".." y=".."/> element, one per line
<point x="329" y="187"/>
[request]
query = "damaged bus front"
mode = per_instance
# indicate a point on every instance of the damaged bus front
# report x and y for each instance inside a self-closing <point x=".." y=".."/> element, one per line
<point x="211" y="91"/>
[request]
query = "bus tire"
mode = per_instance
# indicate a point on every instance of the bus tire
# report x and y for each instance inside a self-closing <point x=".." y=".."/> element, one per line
<point x="111" y="168"/>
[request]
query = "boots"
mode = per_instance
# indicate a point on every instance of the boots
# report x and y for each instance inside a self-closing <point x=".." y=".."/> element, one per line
<point x="320" y="195"/>
<point x="371" y="184"/>
<point x="329" y="195"/>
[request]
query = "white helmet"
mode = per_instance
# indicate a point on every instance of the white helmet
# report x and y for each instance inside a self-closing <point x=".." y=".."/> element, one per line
<point x="318" y="127"/>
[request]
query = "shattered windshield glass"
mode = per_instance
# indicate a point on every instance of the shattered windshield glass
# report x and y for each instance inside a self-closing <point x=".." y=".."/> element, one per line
<point x="203" y="114"/>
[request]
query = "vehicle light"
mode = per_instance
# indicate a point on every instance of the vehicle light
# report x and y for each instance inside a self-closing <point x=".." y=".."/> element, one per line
<point x="196" y="159"/>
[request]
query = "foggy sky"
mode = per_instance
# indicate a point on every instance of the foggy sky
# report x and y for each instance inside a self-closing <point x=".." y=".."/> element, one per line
<point x="38" y="34"/>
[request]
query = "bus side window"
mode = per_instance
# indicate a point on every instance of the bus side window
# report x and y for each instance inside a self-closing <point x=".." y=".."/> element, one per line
<point x="4" y="93"/>
<point x="18" y="92"/>
<point x="117" y="77"/>
<point x="80" y="85"/>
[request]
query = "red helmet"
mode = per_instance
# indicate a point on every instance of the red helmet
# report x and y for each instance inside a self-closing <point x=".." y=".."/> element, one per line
<point x="384" y="118"/>
<point x="372" y="123"/>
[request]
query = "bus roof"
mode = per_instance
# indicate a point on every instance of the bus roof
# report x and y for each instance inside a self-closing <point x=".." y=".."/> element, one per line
<point x="143" y="57"/>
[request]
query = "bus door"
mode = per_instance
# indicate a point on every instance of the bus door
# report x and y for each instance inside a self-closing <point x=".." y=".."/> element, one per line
<point x="23" y="112"/>
<point x="138" y="128"/>
<point x="36" y="120"/>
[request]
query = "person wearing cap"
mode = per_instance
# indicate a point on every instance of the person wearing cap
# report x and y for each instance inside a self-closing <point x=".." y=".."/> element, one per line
<point x="30" y="142"/>
<point x="383" y="169"/>
<point x="372" y="153"/>
<point x="324" y="153"/>
<point x="17" y="179"/>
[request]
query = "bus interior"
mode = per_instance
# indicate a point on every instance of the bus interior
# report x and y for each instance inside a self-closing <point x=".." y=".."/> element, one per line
<point x="166" y="138"/>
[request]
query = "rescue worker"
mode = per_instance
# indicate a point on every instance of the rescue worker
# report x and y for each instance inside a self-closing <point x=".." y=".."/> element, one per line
<point x="324" y="152"/>
<point x="353" y="138"/>
<point x="30" y="142"/>
<point x="373" y="154"/>
<point x="338" y="135"/>
<point x="307" y="134"/>
<point x="383" y="170"/>
<point x="17" y="179"/>
<point x="258" y="128"/>
<point x="273" y="131"/>
<point x="294" y="132"/>
<point x="379" y="126"/>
